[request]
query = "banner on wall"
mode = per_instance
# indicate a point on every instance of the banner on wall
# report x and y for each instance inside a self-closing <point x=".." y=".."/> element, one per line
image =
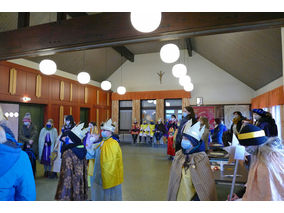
<point x="230" y="109"/>
<point x="206" y="111"/>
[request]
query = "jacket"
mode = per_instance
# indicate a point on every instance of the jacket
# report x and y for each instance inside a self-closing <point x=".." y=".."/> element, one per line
<point x="218" y="134"/>
<point x="201" y="174"/>
<point x="16" y="176"/>
<point x="268" y="125"/>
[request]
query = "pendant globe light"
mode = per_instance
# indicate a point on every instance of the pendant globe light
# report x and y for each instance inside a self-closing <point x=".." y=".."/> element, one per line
<point x="121" y="90"/>
<point x="184" y="80"/>
<point x="47" y="67"/>
<point x="169" y="53"/>
<point x="145" y="22"/>
<point x="179" y="70"/>
<point x="106" y="85"/>
<point x="188" y="87"/>
<point x="83" y="77"/>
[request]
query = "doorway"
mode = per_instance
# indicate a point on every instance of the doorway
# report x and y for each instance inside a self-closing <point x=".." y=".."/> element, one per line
<point x="84" y="116"/>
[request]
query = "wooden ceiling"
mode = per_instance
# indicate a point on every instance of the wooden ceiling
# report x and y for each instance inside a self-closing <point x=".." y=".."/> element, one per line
<point x="254" y="57"/>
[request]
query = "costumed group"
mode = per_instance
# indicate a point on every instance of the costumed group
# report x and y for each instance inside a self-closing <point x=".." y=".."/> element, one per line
<point x="89" y="157"/>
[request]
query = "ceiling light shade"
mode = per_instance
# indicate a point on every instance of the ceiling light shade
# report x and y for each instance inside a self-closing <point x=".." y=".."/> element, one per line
<point x="106" y="85"/>
<point x="169" y="53"/>
<point x="145" y="22"/>
<point x="47" y="67"/>
<point x="155" y="102"/>
<point x="184" y="80"/>
<point x="150" y="101"/>
<point x="121" y="90"/>
<point x="83" y="77"/>
<point x="188" y="87"/>
<point x="179" y="70"/>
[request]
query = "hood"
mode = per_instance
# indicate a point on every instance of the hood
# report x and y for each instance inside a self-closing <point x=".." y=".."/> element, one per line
<point x="9" y="153"/>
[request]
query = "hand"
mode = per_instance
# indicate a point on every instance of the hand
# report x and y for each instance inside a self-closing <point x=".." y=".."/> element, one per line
<point x="234" y="197"/>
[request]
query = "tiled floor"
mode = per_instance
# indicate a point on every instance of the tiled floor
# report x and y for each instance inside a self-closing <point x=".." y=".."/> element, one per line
<point x="146" y="175"/>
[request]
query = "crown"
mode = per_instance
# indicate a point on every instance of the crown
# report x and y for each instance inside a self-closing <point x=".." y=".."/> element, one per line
<point x="194" y="130"/>
<point x="108" y="126"/>
<point x="79" y="131"/>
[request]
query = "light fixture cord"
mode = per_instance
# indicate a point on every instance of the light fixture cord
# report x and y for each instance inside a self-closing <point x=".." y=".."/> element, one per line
<point x="121" y="69"/>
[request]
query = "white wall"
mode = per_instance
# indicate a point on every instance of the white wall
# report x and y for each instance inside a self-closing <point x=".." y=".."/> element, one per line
<point x="210" y="82"/>
<point x="61" y="73"/>
<point x="272" y="85"/>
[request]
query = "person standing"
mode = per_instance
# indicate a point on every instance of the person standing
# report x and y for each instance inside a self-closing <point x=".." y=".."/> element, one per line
<point x="191" y="177"/>
<point x="73" y="181"/>
<point x="135" y="128"/>
<point x="56" y="161"/>
<point x="47" y="139"/>
<point x="237" y="124"/>
<point x="218" y="131"/>
<point x="188" y="115"/>
<point x="265" y="121"/>
<point x="16" y="175"/>
<point x="265" y="177"/>
<point x="205" y="136"/>
<point x="108" y="170"/>
<point x="27" y="136"/>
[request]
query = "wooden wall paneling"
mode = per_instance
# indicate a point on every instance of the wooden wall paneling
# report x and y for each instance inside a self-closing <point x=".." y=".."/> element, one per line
<point x="76" y="113"/>
<point x="98" y="97"/>
<point x="66" y="110"/>
<point x="61" y="93"/>
<point x="108" y="114"/>
<point x="66" y="91"/>
<point x="81" y="94"/>
<point x="98" y="117"/>
<point x="54" y="108"/>
<point x="136" y="111"/>
<point x="93" y="96"/>
<point x="71" y="92"/>
<point x="38" y="86"/>
<point x="4" y="80"/>
<point x="103" y="98"/>
<point x="114" y="115"/>
<point x="103" y="115"/>
<point x="61" y="115"/>
<point x="54" y="89"/>
<point x="185" y="102"/>
<point x="21" y="83"/>
<point x="108" y="99"/>
<point x="13" y="81"/>
<point x="160" y="109"/>
<point x="31" y="85"/>
<point x="86" y="91"/>
<point x="44" y="87"/>
<point x="75" y="97"/>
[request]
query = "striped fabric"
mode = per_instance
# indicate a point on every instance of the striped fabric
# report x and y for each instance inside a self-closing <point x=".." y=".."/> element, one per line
<point x="201" y="173"/>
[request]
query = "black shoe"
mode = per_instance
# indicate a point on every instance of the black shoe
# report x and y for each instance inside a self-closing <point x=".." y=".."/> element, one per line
<point x="53" y="175"/>
<point x="45" y="174"/>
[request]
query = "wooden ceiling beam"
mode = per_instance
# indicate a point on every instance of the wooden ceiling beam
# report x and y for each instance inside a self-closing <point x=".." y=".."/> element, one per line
<point x="61" y="16"/>
<point x="115" y="29"/>
<point x="23" y="20"/>
<point x="77" y="14"/>
<point x="123" y="51"/>
<point x="189" y="46"/>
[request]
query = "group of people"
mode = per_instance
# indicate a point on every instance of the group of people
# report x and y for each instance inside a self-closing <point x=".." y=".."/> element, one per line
<point x="80" y="154"/>
<point x="83" y="157"/>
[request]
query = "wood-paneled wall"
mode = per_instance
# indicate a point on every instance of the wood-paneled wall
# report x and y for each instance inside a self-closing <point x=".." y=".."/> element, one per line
<point x="160" y="109"/>
<point x="136" y="111"/>
<point x="115" y="111"/>
<point x="54" y="92"/>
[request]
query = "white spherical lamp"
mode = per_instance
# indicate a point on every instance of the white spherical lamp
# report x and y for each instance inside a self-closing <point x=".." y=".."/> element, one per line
<point x="47" y="67"/>
<point x="121" y="90"/>
<point x="184" y="80"/>
<point x="83" y="77"/>
<point x="11" y="114"/>
<point x="179" y="70"/>
<point x="188" y="87"/>
<point x="16" y="114"/>
<point x="169" y="53"/>
<point x="106" y="85"/>
<point x="145" y="22"/>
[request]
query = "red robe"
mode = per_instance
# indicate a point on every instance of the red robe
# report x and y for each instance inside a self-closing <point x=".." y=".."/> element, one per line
<point x="171" y="148"/>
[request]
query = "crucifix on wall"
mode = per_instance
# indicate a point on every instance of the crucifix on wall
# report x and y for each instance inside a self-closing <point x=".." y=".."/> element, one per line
<point x="160" y="74"/>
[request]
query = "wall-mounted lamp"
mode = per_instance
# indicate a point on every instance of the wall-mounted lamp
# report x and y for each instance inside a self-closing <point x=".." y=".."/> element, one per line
<point x="26" y="99"/>
<point x="199" y="101"/>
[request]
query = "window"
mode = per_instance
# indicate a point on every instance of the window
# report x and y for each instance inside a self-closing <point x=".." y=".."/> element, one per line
<point x="173" y="106"/>
<point x="125" y="115"/>
<point x="148" y="110"/>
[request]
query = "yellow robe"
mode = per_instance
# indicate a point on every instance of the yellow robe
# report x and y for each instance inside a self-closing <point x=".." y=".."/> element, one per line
<point x="152" y="128"/>
<point x="111" y="163"/>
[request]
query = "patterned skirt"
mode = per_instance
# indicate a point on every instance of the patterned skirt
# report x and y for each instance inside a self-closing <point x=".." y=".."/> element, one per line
<point x="73" y="181"/>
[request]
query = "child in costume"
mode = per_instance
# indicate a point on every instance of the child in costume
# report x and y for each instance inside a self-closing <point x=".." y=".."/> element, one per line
<point x="73" y="181"/>
<point x="191" y="177"/>
<point x="143" y="131"/>
<point x="151" y="131"/>
<point x="266" y="171"/>
<point x="108" y="169"/>
<point x="47" y="139"/>
<point x="135" y="128"/>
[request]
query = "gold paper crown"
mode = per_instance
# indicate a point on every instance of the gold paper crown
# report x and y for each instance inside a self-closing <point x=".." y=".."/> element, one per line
<point x="79" y="131"/>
